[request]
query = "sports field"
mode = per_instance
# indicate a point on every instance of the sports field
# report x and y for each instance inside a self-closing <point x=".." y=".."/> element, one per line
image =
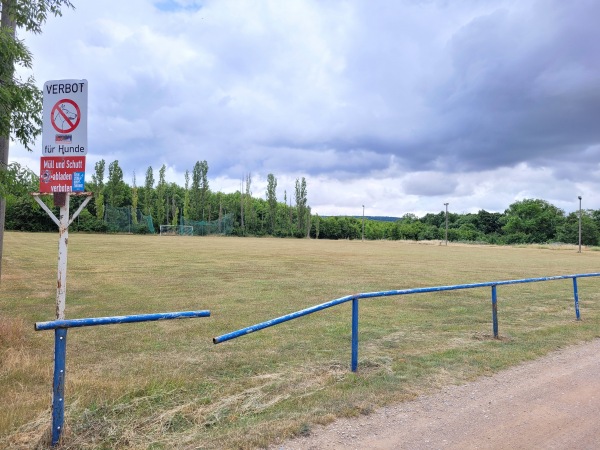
<point x="166" y="385"/>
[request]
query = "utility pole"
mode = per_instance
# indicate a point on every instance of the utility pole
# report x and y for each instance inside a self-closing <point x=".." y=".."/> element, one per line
<point x="579" y="197"/>
<point x="446" y="204"/>
<point x="363" y="224"/>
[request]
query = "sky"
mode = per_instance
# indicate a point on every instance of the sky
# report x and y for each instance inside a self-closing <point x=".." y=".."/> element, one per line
<point x="399" y="106"/>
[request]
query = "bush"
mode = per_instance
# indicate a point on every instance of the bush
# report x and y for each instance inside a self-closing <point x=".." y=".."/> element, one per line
<point x="87" y="222"/>
<point x="141" y="228"/>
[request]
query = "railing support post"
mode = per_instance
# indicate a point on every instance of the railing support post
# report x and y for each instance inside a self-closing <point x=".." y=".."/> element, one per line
<point x="576" y="297"/>
<point x="58" y="386"/>
<point x="354" y="363"/>
<point x="495" y="312"/>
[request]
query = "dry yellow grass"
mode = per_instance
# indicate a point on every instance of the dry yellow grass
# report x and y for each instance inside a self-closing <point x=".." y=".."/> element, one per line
<point x="165" y="385"/>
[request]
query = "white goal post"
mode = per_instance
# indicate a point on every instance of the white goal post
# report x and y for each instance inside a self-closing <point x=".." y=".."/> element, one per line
<point x="176" y="230"/>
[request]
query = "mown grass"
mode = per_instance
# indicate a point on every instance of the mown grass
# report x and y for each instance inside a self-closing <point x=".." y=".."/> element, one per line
<point x="165" y="385"/>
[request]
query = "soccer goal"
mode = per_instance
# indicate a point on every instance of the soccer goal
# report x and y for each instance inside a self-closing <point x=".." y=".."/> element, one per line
<point x="176" y="230"/>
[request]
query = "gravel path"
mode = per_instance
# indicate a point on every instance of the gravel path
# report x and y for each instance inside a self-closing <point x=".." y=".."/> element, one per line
<point x="550" y="403"/>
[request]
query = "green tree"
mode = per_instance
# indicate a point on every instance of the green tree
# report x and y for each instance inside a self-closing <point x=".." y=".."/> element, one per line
<point x="98" y="188"/>
<point x="489" y="223"/>
<point x="199" y="190"/>
<point x="20" y="100"/>
<point x="330" y="228"/>
<point x="272" y="201"/>
<point x="148" y="191"/>
<point x="569" y="231"/>
<point x="468" y="232"/>
<point x="134" y="201"/>
<point x="203" y="187"/>
<point x="220" y="219"/>
<point x="17" y="181"/>
<point x="186" y="198"/>
<point x="174" y="201"/>
<point x="116" y="191"/>
<point x="301" y="204"/>
<point x="248" y="214"/>
<point x="436" y="220"/>
<point x="161" y="187"/>
<point x="22" y="212"/>
<point x="532" y="221"/>
<point x="286" y="216"/>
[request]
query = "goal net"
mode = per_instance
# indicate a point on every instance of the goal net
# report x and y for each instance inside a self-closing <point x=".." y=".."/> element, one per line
<point x="176" y="230"/>
<point x="222" y="226"/>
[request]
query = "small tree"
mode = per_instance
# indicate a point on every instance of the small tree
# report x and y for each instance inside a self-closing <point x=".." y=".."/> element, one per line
<point x="134" y="201"/>
<point x="301" y="202"/>
<point x="116" y="191"/>
<point x="272" y="201"/>
<point x="161" y="188"/>
<point x="186" y="198"/>
<point x="148" y="191"/>
<point x="20" y="101"/>
<point x="98" y="188"/>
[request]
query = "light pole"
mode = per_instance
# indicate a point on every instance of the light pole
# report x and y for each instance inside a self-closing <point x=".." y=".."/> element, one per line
<point x="446" y="204"/>
<point x="579" y="197"/>
<point x="363" y="224"/>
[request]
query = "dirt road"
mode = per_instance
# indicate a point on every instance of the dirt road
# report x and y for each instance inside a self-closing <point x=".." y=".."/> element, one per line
<point x="550" y="403"/>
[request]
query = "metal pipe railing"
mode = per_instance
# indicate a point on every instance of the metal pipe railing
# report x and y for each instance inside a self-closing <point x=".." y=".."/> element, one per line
<point x="89" y="322"/>
<point x="61" y="327"/>
<point x="356" y="297"/>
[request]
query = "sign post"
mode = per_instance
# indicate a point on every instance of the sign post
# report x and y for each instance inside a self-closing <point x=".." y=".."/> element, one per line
<point x="62" y="173"/>
<point x="62" y="168"/>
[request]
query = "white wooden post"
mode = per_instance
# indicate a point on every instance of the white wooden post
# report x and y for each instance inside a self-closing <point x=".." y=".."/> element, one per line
<point x="63" y="223"/>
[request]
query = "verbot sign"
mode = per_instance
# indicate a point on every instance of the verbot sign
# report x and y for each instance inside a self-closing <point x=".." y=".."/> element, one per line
<point x="62" y="174"/>
<point x="64" y="130"/>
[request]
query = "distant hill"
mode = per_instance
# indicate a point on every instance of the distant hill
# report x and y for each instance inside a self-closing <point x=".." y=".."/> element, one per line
<point x="378" y="218"/>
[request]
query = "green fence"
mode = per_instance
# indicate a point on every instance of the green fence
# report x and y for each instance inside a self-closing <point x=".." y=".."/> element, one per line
<point x="126" y="220"/>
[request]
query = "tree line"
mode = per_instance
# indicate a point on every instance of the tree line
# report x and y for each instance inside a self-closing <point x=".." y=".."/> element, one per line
<point x="166" y="203"/>
<point x="523" y="222"/>
<point x="528" y="221"/>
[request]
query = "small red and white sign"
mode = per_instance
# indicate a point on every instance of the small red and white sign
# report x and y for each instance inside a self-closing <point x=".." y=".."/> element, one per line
<point x="64" y="129"/>
<point x="62" y="174"/>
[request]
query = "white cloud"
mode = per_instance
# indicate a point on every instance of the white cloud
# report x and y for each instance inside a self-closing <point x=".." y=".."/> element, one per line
<point x="400" y="105"/>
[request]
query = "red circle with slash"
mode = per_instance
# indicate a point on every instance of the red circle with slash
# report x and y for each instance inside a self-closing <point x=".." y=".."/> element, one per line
<point x="62" y="111"/>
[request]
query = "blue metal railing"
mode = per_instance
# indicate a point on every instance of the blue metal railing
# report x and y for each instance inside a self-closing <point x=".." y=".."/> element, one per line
<point x="75" y="323"/>
<point x="356" y="297"/>
<point x="60" y="328"/>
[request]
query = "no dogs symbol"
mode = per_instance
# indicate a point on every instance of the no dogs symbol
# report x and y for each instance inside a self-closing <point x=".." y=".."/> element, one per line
<point x="65" y="116"/>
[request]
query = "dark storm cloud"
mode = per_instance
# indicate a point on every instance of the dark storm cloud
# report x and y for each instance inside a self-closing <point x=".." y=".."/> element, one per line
<point x="507" y="86"/>
<point x="403" y="104"/>
<point x="524" y="87"/>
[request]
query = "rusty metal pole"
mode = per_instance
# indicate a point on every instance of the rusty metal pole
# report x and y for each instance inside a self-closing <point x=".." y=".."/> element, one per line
<point x="495" y="312"/>
<point x="60" y="336"/>
<point x="62" y="200"/>
<point x="63" y="221"/>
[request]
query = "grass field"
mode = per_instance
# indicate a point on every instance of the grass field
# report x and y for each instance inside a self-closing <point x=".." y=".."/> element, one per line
<point x="165" y="385"/>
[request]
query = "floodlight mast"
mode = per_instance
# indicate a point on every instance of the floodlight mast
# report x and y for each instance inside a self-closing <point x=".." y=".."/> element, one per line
<point x="579" y="197"/>
<point x="363" y="224"/>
